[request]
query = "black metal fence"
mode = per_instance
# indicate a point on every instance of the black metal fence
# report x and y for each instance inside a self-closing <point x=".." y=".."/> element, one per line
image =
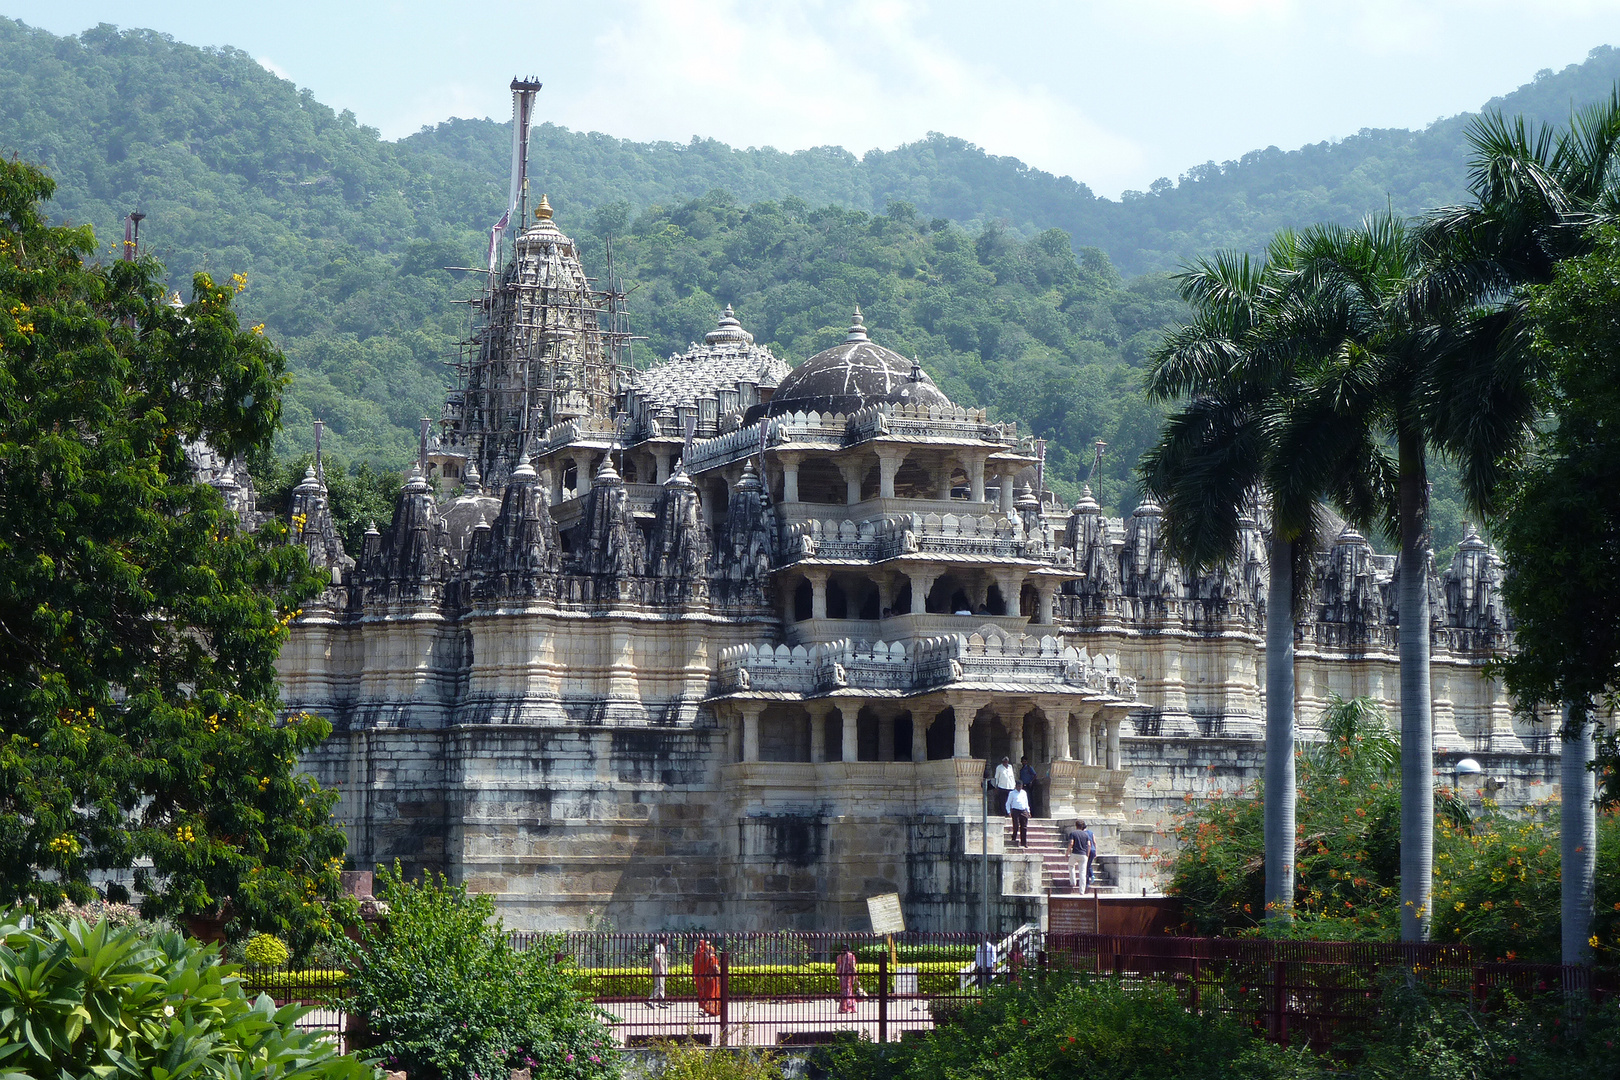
<point x="787" y="989"/>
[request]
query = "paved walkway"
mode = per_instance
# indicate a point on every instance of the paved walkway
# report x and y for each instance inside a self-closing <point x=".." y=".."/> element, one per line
<point x="764" y="1022"/>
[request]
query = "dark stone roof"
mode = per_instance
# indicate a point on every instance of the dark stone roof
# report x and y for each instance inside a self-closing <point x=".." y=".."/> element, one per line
<point x="851" y="376"/>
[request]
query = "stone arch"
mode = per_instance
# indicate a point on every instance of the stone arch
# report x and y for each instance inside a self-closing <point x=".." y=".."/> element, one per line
<point x="803" y="600"/>
<point x="912" y="481"/>
<point x="821" y="482"/>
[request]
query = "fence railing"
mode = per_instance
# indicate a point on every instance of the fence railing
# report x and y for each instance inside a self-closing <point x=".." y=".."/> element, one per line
<point x="788" y="988"/>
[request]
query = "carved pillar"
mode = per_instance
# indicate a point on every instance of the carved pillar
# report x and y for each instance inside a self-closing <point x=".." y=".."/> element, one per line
<point x="1113" y="739"/>
<point x="1060" y="735"/>
<point x="818" y="592"/>
<point x="853" y="471"/>
<point x="964" y="721"/>
<point x="885" y="588"/>
<point x="790" y="475"/>
<point x="921" y="582"/>
<point x="1015" y="729"/>
<point x="1007" y="493"/>
<point x="850" y="711"/>
<point x="942" y="483"/>
<point x="1088" y="735"/>
<point x="1045" y="590"/>
<point x="661" y="464"/>
<point x="889" y="461"/>
<point x="750" y="729"/>
<point x="554" y="480"/>
<point x="975" y="470"/>
<point x="921" y="720"/>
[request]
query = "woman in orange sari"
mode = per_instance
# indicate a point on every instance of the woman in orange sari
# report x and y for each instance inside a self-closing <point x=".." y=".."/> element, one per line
<point x="706" y="974"/>
<point x="846" y="972"/>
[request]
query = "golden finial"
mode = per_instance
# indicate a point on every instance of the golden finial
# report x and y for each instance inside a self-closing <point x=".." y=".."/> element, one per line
<point x="543" y="211"/>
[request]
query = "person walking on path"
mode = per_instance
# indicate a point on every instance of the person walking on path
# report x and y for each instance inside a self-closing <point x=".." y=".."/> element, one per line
<point x="706" y="974"/>
<point x="984" y="961"/>
<point x="1080" y="846"/>
<point x="1018" y="810"/>
<point x="847" y="981"/>
<point x="1005" y="780"/>
<point x="660" y="972"/>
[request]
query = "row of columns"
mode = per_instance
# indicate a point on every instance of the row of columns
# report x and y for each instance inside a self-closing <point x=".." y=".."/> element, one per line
<point x="922" y="580"/>
<point x="890" y="458"/>
<point x="1097" y="724"/>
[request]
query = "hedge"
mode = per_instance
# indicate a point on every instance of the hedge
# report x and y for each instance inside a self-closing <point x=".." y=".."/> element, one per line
<point x="269" y="980"/>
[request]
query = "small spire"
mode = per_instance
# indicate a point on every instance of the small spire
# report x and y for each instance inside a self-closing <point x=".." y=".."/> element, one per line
<point x="916" y="369"/>
<point x="525" y="472"/>
<point x="472" y="478"/>
<point x="857" y="327"/>
<point x="1087" y="503"/>
<point x="543" y="211"/>
<point x="1148" y="507"/>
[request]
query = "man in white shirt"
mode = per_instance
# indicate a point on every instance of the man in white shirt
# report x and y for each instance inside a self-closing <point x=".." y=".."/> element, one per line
<point x="984" y="961"/>
<point x="1005" y="780"/>
<point x="1018" y="810"/>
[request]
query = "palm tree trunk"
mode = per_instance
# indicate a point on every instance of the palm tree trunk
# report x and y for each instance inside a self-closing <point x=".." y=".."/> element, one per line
<point x="1280" y="786"/>
<point x="1417" y="722"/>
<point x="1578" y="834"/>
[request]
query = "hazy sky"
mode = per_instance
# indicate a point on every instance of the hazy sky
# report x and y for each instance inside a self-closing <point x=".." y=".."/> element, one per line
<point x="1114" y="94"/>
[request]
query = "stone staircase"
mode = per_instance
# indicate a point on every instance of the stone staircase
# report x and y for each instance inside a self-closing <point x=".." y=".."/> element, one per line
<point x="1046" y="840"/>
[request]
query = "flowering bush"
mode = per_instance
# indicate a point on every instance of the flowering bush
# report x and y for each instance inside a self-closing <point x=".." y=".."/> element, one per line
<point x="1496" y="881"/>
<point x="266" y="950"/>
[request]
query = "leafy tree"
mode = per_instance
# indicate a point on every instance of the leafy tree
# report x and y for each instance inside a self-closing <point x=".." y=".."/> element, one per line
<point x="141" y="619"/>
<point x="443" y="993"/>
<point x="89" y="999"/>
<point x="1537" y="198"/>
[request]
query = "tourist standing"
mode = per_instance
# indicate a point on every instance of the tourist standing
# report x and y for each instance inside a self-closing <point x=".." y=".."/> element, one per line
<point x="660" y="972"/>
<point x="706" y="975"/>
<point x="1015" y="962"/>
<point x="1018" y="810"/>
<point x="1005" y="780"/>
<point x="1079" y="846"/>
<point x="984" y="961"/>
<point x="847" y="980"/>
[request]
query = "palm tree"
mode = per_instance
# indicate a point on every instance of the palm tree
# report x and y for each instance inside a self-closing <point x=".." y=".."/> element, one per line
<point x="1367" y="392"/>
<point x="1236" y="364"/>
<point x="1536" y="199"/>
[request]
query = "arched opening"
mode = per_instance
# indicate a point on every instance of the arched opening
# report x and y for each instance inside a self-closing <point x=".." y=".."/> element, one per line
<point x="804" y="600"/>
<point x="994" y="601"/>
<point x="570" y="478"/>
<point x="784" y="735"/>
<point x="988" y="740"/>
<point x="837" y="601"/>
<point x="871" y="483"/>
<point x="912" y="481"/>
<point x="631" y="474"/>
<point x="821" y="482"/>
<point x="903" y="729"/>
<point x="960" y="604"/>
<point x="870" y="601"/>
<point x="1029" y="602"/>
<point x="949" y="594"/>
<point x="961" y="486"/>
<point x="902" y="600"/>
<point x="832" y="734"/>
<point x="942" y="736"/>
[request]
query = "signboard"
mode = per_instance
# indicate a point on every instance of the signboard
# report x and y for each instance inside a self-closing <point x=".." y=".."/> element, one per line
<point x="885" y="914"/>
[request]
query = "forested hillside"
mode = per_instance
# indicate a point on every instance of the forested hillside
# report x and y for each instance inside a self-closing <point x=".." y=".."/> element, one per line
<point x="344" y="236"/>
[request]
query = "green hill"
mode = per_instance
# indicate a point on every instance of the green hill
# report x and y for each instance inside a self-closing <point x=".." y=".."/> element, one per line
<point x="344" y="236"/>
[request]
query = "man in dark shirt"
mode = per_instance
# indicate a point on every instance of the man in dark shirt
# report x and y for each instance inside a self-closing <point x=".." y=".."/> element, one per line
<point x="1027" y="777"/>
<point x="1081" y="847"/>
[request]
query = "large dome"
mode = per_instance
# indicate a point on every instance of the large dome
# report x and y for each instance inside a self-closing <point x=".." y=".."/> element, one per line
<point x="852" y="376"/>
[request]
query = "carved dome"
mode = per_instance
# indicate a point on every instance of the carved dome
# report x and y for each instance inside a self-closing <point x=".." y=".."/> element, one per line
<point x="852" y="376"/>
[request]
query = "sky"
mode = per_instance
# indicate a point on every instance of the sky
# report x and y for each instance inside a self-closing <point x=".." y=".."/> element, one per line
<point x="1114" y="94"/>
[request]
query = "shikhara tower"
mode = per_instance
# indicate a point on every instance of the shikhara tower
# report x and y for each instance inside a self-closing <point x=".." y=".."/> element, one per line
<point x="728" y="643"/>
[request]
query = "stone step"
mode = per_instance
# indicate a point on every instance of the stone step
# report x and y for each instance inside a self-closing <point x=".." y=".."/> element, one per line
<point x="1046" y="840"/>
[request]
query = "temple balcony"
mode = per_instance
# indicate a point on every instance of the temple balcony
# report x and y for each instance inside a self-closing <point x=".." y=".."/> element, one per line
<point x="907" y="627"/>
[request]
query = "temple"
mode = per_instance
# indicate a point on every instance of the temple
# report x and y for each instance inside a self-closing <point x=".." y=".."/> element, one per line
<point x="725" y="642"/>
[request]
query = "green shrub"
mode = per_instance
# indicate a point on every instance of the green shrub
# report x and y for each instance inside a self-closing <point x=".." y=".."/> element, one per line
<point x="266" y="950"/>
<point x="685" y="1061"/>
<point x="91" y="1000"/>
<point x="442" y="993"/>
<point x="1093" y="1029"/>
<point x="275" y="982"/>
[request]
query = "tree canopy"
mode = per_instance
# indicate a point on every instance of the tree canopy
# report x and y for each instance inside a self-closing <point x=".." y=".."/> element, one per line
<point x="141" y="619"/>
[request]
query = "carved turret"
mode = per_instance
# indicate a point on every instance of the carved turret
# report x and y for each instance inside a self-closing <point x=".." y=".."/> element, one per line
<point x="408" y="563"/>
<point x="678" y="558"/>
<point x="515" y="555"/>
<point x="1146" y="569"/>
<point x="310" y="520"/>
<point x="746" y="548"/>
<point x="608" y="543"/>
